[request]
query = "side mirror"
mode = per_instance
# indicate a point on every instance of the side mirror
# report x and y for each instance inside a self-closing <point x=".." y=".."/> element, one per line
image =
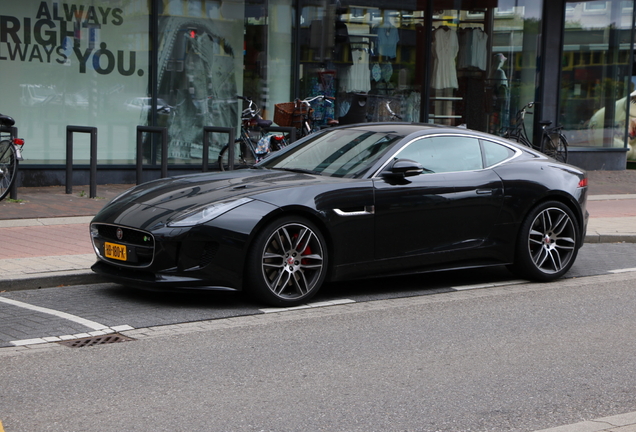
<point x="402" y="168"/>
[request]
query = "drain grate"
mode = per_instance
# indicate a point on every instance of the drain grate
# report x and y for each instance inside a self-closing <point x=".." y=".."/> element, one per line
<point x="95" y="340"/>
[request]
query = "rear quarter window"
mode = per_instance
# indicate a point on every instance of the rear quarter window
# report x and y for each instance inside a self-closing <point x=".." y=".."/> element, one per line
<point x="495" y="153"/>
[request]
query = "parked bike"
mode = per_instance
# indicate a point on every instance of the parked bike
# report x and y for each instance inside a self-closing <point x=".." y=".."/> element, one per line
<point x="553" y="142"/>
<point x="10" y="154"/>
<point x="254" y="142"/>
<point x="300" y="114"/>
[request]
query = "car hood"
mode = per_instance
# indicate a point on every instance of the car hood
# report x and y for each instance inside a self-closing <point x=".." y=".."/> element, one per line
<point x="179" y="194"/>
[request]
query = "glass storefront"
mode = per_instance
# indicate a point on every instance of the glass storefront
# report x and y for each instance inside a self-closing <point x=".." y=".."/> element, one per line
<point x="598" y="98"/>
<point x="75" y="64"/>
<point x="454" y="62"/>
<point x="475" y="62"/>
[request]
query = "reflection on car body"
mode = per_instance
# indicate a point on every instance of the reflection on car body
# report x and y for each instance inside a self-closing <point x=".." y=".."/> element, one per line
<point x="358" y="201"/>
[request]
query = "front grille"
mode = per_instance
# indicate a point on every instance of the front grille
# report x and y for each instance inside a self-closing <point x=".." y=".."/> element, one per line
<point x="129" y="235"/>
<point x="140" y="245"/>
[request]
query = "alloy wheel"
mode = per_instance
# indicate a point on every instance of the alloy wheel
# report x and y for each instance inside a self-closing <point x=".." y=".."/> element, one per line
<point x="552" y="240"/>
<point x="292" y="261"/>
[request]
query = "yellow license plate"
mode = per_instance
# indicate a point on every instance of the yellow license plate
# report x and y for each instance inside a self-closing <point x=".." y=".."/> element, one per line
<point x="115" y="251"/>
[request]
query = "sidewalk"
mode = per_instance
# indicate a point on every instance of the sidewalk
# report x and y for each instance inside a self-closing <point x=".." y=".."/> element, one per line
<point x="46" y="242"/>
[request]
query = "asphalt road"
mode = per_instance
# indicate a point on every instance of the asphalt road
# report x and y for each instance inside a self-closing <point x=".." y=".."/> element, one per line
<point x="513" y="358"/>
<point x="113" y="306"/>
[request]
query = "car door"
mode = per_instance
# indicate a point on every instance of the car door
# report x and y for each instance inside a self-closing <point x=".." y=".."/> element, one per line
<point x="451" y="207"/>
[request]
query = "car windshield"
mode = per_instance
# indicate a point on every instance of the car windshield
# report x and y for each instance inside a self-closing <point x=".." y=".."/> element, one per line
<point x="335" y="153"/>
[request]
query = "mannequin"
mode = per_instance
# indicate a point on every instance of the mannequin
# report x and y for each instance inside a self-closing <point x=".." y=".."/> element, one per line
<point x="502" y="92"/>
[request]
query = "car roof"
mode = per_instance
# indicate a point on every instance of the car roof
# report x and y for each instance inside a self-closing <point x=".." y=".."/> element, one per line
<point x="394" y="127"/>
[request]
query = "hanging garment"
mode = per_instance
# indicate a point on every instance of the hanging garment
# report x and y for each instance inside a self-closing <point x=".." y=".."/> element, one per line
<point x="445" y="49"/>
<point x="358" y="77"/>
<point x="388" y="38"/>
<point x="472" y="49"/>
<point x="479" y="49"/>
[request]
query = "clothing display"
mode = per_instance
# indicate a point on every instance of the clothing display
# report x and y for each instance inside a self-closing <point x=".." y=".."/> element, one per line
<point x="376" y="72"/>
<point x="445" y="49"/>
<point x="357" y="78"/>
<point x="388" y="39"/>
<point x="473" y="47"/>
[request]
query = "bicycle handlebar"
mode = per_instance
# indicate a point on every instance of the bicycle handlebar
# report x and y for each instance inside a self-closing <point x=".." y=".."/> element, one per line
<point x="250" y="110"/>
<point x="308" y="101"/>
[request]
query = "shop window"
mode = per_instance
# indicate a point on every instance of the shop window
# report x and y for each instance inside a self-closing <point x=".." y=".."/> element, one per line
<point x="371" y="59"/>
<point x="595" y="7"/>
<point x="596" y="101"/>
<point x="504" y="11"/>
<point x="59" y="77"/>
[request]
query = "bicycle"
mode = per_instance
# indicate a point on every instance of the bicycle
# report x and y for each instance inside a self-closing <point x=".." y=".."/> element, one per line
<point x="392" y="115"/>
<point x="553" y="142"/>
<point x="300" y="114"/>
<point x="10" y="154"/>
<point x="254" y="143"/>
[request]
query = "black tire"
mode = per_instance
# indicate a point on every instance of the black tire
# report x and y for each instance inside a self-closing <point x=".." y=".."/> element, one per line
<point x="288" y="262"/>
<point x="8" y="167"/>
<point x="555" y="146"/>
<point x="240" y="158"/>
<point x="548" y="243"/>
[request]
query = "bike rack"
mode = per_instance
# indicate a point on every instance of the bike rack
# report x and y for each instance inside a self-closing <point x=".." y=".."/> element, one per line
<point x="290" y="130"/>
<point x="164" y="149"/>
<point x="69" y="157"/>
<point x="207" y="130"/>
<point x="13" y="192"/>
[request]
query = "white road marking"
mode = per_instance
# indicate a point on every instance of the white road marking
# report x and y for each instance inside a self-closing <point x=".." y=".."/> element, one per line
<point x="627" y="270"/>
<point x="99" y="329"/>
<point x="489" y="285"/>
<point x="308" y="306"/>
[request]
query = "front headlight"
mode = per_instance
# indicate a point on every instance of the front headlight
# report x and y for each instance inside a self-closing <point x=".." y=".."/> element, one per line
<point x="206" y="212"/>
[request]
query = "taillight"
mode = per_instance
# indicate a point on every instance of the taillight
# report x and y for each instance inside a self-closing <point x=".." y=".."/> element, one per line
<point x="583" y="182"/>
<point x="18" y="141"/>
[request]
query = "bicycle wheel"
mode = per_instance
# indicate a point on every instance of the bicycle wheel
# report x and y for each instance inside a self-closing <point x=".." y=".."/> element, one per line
<point x="8" y="167"/>
<point x="240" y="160"/>
<point x="518" y="137"/>
<point x="556" y="146"/>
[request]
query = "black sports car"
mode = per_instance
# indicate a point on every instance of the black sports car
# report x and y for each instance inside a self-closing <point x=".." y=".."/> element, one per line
<point x="349" y="202"/>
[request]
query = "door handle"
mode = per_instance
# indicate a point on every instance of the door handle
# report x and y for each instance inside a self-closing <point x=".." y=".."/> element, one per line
<point x="485" y="191"/>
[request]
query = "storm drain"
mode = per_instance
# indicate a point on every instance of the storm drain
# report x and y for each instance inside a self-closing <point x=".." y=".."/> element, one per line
<point x="95" y="340"/>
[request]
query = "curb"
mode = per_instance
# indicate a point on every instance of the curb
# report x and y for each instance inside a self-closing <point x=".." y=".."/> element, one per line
<point x="610" y="238"/>
<point x="51" y="280"/>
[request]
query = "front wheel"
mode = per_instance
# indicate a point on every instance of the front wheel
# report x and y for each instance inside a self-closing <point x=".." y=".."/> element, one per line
<point x="287" y="263"/>
<point x="555" y="146"/>
<point x="548" y="242"/>
<point x="8" y="167"/>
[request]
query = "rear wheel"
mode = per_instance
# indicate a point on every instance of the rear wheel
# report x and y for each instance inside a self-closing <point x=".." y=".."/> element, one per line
<point x="288" y="262"/>
<point x="242" y="158"/>
<point x="548" y="242"/>
<point x="556" y="146"/>
<point x="8" y="167"/>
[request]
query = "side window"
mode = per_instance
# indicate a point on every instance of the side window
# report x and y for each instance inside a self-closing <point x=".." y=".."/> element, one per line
<point x="445" y="153"/>
<point x="495" y="153"/>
